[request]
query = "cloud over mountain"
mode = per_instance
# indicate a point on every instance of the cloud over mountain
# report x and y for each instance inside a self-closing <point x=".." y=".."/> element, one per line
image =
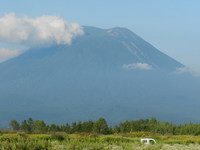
<point x="182" y="70"/>
<point x="141" y="66"/>
<point x="40" y="31"/>
<point x="6" y="54"/>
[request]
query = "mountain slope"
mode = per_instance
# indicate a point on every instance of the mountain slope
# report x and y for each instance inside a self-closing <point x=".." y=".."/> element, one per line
<point x="87" y="80"/>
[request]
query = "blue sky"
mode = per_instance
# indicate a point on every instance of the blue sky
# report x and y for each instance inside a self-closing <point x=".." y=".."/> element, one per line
<point x="172" y="26"/>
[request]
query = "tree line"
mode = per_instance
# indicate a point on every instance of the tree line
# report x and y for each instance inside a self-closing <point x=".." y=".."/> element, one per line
<point x="100" y="126"/>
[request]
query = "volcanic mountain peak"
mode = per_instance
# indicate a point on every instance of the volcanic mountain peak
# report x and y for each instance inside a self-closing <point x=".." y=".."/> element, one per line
<point x="101" y="74"/>
<point x="123" y="41"/>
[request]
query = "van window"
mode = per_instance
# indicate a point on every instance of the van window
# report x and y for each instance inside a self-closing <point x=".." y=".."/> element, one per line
<point x="151" y="142"/>
<point x="144" y="141"/>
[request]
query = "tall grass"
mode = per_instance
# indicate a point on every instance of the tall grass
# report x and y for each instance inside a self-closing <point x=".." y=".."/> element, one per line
<point x="94" y="142"/>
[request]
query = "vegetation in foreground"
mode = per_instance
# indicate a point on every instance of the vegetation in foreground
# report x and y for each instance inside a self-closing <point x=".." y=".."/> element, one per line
<point x="97" y="135"/>
<point x="63" y="141"/>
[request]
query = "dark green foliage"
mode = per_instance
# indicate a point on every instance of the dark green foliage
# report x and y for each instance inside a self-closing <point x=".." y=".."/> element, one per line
<point x="14" y="125"/>
<point x="53" y="128"/>
<point x="57" y="137"/>
<point x="30" y="124"/>
<point x="24" y="126"/>
<point x="100" y="127"/>
<point x="40" y="126"/>
<point x="67" y="128"/>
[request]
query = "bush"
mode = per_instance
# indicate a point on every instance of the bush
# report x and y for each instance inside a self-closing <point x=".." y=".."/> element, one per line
<point x="57" y="137"/>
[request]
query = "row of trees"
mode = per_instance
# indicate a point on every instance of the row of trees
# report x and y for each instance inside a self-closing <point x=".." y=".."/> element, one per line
<point x="155" y="126"/>
<point x="100" y="126"/>
<point x="39" y="126"/>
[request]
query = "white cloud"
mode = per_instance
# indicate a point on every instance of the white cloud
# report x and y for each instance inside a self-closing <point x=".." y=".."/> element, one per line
<point x="28" y="32"/>
<point x="41" y="31"/>
<point x="182" y="70"/>
<point x="141" y="66"/>
<point x="6" y="54"/>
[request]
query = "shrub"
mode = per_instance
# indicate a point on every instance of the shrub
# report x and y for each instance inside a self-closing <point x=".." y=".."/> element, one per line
<point x="57" y="137"/>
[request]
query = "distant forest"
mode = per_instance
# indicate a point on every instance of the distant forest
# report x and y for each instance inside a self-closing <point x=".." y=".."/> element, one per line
<point x="100" y="126"/>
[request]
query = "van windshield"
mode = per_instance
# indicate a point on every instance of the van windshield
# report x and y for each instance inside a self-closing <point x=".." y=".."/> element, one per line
<point x="151" y="142"/>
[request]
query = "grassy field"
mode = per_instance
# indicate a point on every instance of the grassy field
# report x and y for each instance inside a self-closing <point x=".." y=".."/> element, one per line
<point x="129" y="141"/>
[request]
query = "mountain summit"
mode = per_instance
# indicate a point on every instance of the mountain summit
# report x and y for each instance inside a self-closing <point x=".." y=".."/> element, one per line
<point x="104" y="73"/>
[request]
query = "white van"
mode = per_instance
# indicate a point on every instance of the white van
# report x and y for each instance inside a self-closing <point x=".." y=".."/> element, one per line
<point x="148" y="141"/>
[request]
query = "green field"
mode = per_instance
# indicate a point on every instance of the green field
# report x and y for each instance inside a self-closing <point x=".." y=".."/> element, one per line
<point x="84" y="141"/>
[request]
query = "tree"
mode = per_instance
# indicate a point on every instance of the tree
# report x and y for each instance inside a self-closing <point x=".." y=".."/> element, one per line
<point x="27" y="125"/>
<point x="100" y="126"/>
<point x="24" y="126"/>
<point x="14" y="125"/>
<point x="79" y="127"/>
<point x="74" y="127"/>
<point x="40" y="126"/>
<point x="53" y="128"/>
<point x="67" y="128"/>
<point x="30" y="124"/>
<point x="87" y="126"/>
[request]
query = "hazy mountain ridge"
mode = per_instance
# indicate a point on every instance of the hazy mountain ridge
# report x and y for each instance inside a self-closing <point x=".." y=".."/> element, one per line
<point x="86" y="80"/>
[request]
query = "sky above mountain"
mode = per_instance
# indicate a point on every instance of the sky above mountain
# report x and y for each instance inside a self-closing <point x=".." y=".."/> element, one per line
<point x="170" y="25"/>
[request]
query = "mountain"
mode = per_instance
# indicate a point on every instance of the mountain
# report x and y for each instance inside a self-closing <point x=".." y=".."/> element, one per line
<point x="110" y="73"/>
